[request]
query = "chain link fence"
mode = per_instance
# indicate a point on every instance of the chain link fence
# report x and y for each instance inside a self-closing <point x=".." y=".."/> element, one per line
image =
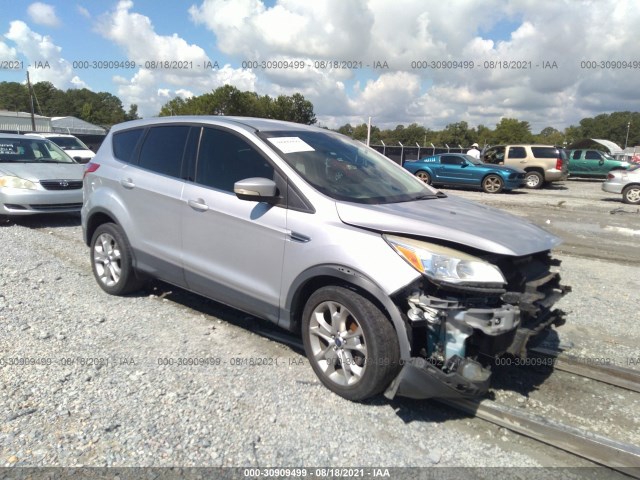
<point x="401" y="154"/>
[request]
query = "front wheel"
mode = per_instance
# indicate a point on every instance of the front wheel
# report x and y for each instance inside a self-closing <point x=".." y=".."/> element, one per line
<point x="492" y="184"/>
<point x="631" y="195"/>
<point x="533" y="180"/>
<point x="112" y="262"/>
<point x="351" y="345"/>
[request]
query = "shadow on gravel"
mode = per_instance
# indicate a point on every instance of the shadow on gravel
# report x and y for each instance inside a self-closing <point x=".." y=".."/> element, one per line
<point x="507" y="376"/>
<point x="44" y="221"/>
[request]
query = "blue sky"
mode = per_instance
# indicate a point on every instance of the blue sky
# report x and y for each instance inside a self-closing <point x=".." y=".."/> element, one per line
<point x="492" y="34"/>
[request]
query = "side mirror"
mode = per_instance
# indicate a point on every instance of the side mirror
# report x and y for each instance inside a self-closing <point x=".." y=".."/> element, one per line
<point x="256" y="189"/>
<point x="464" y="165"/>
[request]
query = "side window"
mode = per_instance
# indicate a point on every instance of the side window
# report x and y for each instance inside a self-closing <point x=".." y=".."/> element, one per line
<point x="576" y="155"/>
<point x="124" y="144"/>
<point x="592" y="155"/>
<point x="225" y="158"/>
<point x="451" y="160"/>
<point x="517" y="152"/>
<point x="494" y="155"/>
<point x="163" y="149"/>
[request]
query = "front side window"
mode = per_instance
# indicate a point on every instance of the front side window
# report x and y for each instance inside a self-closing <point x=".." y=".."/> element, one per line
<point x="225" y="158"/>
<point x="451" y="160"/>
<point x="163" y="149"/>
<point x="494" y="155"/>
<point x="591" y="155"/>
<point x="344" y="169"/>
<point x="517" y="152"/>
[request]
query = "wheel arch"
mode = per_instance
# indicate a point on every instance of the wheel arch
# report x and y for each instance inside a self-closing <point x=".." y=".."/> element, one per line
<point x="337" y="275"/>
<point x="94" y="220"/>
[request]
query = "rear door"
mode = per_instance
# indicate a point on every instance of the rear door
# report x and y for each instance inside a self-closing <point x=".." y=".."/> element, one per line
<point x="151" y="189"/>
<point x="233" y="249"/>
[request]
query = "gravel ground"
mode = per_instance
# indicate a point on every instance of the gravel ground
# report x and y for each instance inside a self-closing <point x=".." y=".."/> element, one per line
<point x="110" y="386"/>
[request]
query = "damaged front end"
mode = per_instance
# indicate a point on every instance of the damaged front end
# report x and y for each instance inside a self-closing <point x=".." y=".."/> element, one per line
<point x="465" y="311"/>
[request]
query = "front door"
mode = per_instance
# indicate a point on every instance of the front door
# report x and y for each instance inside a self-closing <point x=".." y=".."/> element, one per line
<point x="233" y="249"/>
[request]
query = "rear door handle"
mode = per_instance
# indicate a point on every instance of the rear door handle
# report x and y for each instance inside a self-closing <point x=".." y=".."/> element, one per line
<point x="127" y="183"/>
<point x="198" y="204"/>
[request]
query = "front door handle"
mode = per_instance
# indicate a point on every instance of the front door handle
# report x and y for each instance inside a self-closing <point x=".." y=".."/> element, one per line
<point x="198" y="204"/>
<point x="127" y="183"/>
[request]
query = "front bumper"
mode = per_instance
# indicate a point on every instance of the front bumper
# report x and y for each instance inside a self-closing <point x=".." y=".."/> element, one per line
<point x="15" y="201"/>
<point x="420" y="379"/>
<point x="455" y="336"/>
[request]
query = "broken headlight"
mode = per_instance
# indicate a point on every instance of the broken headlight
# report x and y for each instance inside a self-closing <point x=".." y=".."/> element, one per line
<point x="446" y="265"/>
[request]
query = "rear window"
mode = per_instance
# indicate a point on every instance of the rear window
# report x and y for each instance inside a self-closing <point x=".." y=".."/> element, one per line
<point x="124" y="144"/>
<point x="163" y="149"/>
<point x="546" y="152"/>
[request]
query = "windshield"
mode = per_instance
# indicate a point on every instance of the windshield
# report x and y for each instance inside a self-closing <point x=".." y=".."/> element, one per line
<point x="69" y="143"/>
<point x="344" y="169"/>
<point x="30" y="150"/>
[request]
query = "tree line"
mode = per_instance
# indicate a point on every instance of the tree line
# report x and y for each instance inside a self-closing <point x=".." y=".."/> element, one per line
<point x="99" y="108"/>
<point x="228" y="100"/>
<point x="105" y="109"/>
<point x="613" y="126"/>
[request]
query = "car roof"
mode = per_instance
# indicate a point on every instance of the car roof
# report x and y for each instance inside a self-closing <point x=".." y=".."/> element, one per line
<point x="17" y="136"/>
<point x="245" y="123"/>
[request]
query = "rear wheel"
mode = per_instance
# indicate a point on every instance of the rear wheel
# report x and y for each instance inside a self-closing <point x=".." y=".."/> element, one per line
<point x="492" y="184"/>
<point x="111" y="261"/>
<point x="424" y="176"/>
<point x="533" y="179"/>
<point x="351" y="345"/>
<point x="631" y="194"/>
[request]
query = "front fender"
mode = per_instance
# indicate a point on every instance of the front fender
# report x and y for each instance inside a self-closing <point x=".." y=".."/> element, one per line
<point x="322" y="275"/>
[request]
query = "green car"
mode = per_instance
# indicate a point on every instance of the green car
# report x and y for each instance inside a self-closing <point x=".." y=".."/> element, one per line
<point x="593" y="163"/>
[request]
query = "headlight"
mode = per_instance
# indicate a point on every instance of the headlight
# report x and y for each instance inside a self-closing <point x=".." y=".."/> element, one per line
<point x="17" y="182"/>
<point x="444" y="264"/>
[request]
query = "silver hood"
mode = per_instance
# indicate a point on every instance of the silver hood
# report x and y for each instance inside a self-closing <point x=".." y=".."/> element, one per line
<point x="454" y="220"/>
<point x="36" y="171"/>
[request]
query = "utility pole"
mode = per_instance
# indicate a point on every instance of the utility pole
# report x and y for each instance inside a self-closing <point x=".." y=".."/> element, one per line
<point x="33" y="119"/>
<point x="626" y="140"/>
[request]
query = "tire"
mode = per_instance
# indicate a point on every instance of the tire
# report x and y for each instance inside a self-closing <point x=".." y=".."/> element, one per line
<point x="492" y="184"/>
<point x="424" y="176"/>
<point x="533" y="180"/>
<point x="111" y="261"/>
<point x="631" y="194"/>
<point x="341" y="328"/>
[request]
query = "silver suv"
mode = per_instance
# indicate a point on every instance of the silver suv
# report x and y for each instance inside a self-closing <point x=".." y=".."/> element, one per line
<point x="393" y="286"/>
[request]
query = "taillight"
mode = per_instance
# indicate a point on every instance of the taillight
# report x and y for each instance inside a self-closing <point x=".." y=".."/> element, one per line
<point x="558" y="163"/>
<point x="90" y="168"/>
<point x="610" y="176"/>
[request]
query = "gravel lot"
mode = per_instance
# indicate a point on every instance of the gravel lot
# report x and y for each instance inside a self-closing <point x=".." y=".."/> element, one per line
<point x="111" y="381"/>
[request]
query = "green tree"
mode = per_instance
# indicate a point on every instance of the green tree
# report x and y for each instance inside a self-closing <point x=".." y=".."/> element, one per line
<point x="550" y="136"/>
<point x="510" y="130"/>
<point x="458" y="133"/>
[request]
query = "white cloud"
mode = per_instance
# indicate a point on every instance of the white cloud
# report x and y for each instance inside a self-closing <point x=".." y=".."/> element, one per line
<point x="83" y="11"/>
<point x="539" y="34"/>
<point x="43" y="14"/>
<point x="44" y="56"/>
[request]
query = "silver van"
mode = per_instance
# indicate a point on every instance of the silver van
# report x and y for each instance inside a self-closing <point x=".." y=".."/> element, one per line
<point x="393" y="286"/>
